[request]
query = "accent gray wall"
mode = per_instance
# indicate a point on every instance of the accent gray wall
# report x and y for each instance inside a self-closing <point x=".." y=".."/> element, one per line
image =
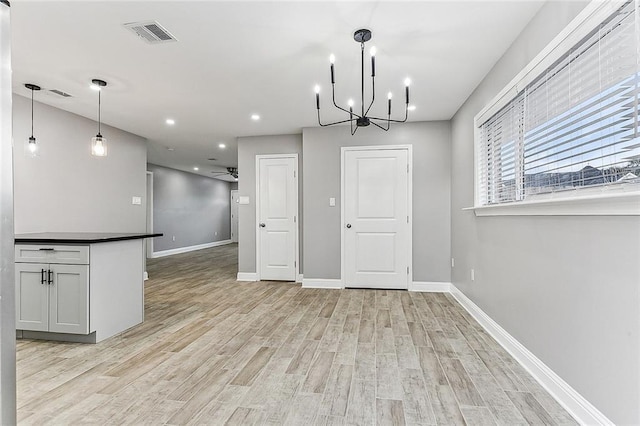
<point x="248" y="148"/>
<point x="191" y="207"/>
<point x="431" y="195"/>
<point x="566" y="287"/>
<point x="66" y="189"/>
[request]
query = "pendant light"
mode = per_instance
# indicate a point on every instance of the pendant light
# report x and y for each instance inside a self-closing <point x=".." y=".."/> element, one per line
<point x="31" y="148"/>
<point x="98" y="143"/>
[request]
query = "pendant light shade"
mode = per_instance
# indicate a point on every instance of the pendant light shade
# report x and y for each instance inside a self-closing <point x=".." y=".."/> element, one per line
<point x="31" y="146"/>
<point x="98" y="142"/>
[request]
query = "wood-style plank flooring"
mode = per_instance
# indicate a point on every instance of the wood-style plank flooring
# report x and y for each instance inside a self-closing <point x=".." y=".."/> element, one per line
<point x="215" y="351"/>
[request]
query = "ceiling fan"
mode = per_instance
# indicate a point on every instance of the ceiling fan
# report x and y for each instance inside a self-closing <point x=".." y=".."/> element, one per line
<point x="231" y="171"/>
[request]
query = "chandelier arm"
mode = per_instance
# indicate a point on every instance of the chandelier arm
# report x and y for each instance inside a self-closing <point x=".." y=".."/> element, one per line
<point x="373" y="93"/>
<point x="406" y="115"/>
<point x="330" y="124"/>
<point x="333" y="97"/>
<point x="353" y="129"/>
<point x="380" y="127"/>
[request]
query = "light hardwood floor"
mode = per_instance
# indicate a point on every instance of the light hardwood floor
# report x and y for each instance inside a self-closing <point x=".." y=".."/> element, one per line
<point x="215" y="351"/>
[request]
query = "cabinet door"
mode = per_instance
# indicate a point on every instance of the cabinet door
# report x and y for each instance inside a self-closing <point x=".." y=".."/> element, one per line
<point x="69" y="299"/>
<point x="32" y="297"/>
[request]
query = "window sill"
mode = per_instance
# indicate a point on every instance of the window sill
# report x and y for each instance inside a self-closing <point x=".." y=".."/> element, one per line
<point x="619" y="204"/>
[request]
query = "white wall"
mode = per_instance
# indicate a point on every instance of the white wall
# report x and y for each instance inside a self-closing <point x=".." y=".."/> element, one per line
<point x="565" y="287"/>
<point x="66" y="189"/>
<point x="192" y="208"/>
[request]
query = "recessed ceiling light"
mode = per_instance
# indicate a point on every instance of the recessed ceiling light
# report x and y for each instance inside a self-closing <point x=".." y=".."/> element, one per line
<point x="255" y="117"/>
<point x="411" y="108"/>
<point x="196" y="169"/>
<point x="222" y="146"/>
<point x="170" y="121"/>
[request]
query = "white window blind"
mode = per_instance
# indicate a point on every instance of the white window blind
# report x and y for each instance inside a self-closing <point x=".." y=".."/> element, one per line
<point x="574" y="126"/>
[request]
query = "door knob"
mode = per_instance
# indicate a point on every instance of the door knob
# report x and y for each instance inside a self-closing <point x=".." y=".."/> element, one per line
<point x="262" y="225"/>
<point x="348" y="225"/>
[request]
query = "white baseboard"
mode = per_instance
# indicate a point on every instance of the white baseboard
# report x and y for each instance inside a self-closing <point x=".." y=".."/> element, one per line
<point x="581" y="409"/>
<point x="179" y="250"/>
<point x="430" y="287"/>
<point x="247" y="276"/>
<point x="322" y="283"/>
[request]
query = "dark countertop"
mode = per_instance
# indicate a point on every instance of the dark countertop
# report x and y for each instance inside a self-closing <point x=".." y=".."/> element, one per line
<point x="80" y="237"/>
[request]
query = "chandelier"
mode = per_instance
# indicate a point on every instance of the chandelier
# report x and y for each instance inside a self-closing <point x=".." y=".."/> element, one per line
<point x="361" y="118"/>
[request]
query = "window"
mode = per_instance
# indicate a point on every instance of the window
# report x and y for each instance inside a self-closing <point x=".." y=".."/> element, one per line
<point x="571" y="125"/>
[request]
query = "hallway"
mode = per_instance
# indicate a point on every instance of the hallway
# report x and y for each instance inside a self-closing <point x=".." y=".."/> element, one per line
<point x="215" y="351"/>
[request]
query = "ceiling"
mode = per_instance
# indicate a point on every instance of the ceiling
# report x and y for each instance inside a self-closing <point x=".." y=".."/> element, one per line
<point x="235" y="59"/>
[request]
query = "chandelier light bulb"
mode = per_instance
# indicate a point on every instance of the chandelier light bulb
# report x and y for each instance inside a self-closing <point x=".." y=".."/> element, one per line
<point x="332" y="59"/>
<point x="373" y="51"/>
<point x="407" y="82"/>
<point x="317" y="89"/>
<point x="389" y="95"/>
<point x="350" y="102"/>
<point x="95" y="87"/>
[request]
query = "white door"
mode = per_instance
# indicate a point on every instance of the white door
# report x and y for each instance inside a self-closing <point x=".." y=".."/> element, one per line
<point x="376" y="218"/>
<point x="234" y="216"/>
<point x="277" y="211"/>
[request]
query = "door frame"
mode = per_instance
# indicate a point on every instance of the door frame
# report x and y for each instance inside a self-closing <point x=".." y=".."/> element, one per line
<point x="231" y="214"/>
<point x="343" y="151"/>
<point x="296" y="230"/>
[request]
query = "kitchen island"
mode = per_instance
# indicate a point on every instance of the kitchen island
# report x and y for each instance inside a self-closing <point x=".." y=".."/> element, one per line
<point x="79" y="287"/>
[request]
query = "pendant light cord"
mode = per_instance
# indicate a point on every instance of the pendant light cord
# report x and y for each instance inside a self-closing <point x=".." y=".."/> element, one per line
<point x="31" y="112"/>
<point x="99" y="103"/>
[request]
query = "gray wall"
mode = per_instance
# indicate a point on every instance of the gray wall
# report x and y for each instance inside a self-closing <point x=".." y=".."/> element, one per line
<point x="565" y="287"/>
<point x="7" y="283"/>
<point x="248" y="148"/>
<point x="431" y="191"/>
<point x="67" y="189"/>
<point x="192" y="208"/>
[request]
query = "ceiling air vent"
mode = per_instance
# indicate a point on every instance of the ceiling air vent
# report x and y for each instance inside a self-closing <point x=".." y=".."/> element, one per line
<point x="151" y="32"/>
<point x="60" y="93"/>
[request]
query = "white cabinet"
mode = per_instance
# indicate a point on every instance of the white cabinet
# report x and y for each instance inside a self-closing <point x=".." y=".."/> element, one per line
<point x="52" y="289"/>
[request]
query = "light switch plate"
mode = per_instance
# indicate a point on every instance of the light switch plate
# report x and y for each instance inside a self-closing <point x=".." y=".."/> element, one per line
<point x="136" y="200"/>
<point x="332" y="202"/>
<point x="243" y="200"/>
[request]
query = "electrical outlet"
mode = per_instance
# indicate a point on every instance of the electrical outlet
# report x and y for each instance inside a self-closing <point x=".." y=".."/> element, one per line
<point x="473" y="275"/>
<point x="136" y="200"/>
<point x="453" y="262"/>
<point x="173" y="238"/>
